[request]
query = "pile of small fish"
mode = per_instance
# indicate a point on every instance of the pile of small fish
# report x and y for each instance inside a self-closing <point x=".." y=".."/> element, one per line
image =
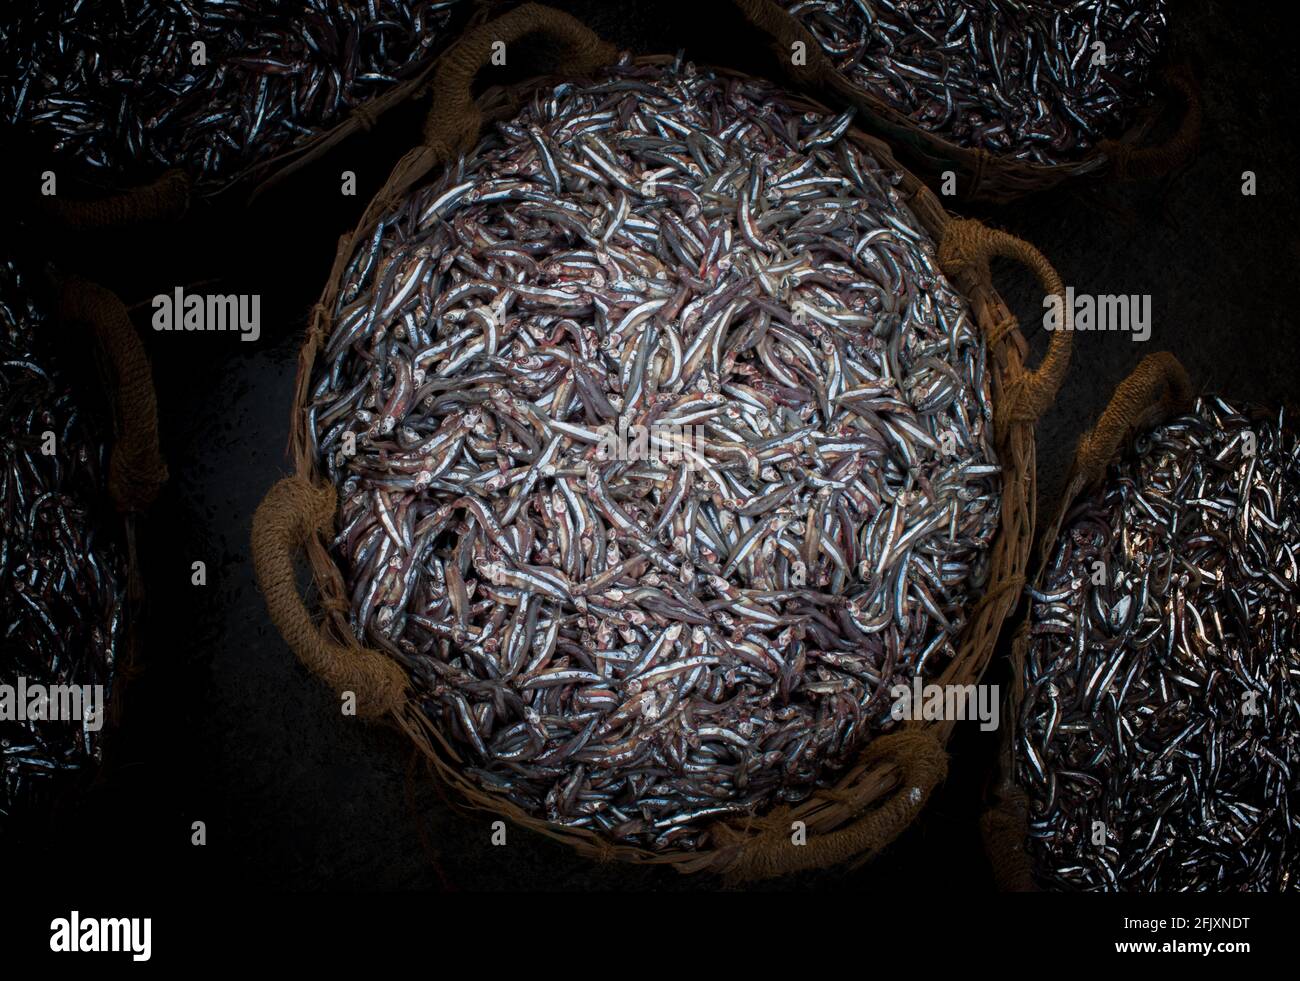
<point x="1037" y="80"/>
<point x="671" y="450"/>
<point x="61" y="592"/>
<point x="1159" y="737"/>
<point x="113" y="85"/>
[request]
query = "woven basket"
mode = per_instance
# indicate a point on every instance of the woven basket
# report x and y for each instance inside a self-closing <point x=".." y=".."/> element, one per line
<point x="1157" y="389"/>
<point x="168" y="197"/>
<point x="263" y="176"/>
<point x="874" y="800"/>
<point x="136" y="470"/>
<point x="983" y="176"/>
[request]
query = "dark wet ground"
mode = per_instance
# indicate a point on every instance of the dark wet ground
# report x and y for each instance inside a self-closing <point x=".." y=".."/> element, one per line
<point x="223" y="725"/>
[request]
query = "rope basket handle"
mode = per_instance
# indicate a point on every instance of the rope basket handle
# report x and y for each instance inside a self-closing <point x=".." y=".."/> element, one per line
<point x="164" y="199"/>
<point x="454" y="118"/>
<point x="292" y="511"/>
<point x="785" y="30"/>
<point x="969" y="244"/>
<point x="1157" y="386"/>
<point x="135" y="470"/>
<point x="922" y="764"/>
<point x="1129" y="162"/>
<point x="453" y="122"/>
<point x="1158" y="383"/>
<point x="1004" y="828"/>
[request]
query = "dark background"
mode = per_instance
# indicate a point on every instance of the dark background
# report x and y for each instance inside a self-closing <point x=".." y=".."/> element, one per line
<point x="222" y="725"/>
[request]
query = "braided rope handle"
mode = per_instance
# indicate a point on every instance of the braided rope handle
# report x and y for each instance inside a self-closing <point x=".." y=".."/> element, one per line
<point x="1158" y="384"/>
<point x="453" y="123"/>
<point x="921" y="764"/>
<point x="135" y="470"/>
<point x="1004" y="828"/>
<point x="968" y="243"/>
<point x="785" y="31"/>
<point x="1129" y="162"/>
<point x="292" y="511"/>
<point x="454" y="118"/>
<point x="164" y="199"/>
<point x="287" y="516"/>
<point x="1156" y="387"/>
